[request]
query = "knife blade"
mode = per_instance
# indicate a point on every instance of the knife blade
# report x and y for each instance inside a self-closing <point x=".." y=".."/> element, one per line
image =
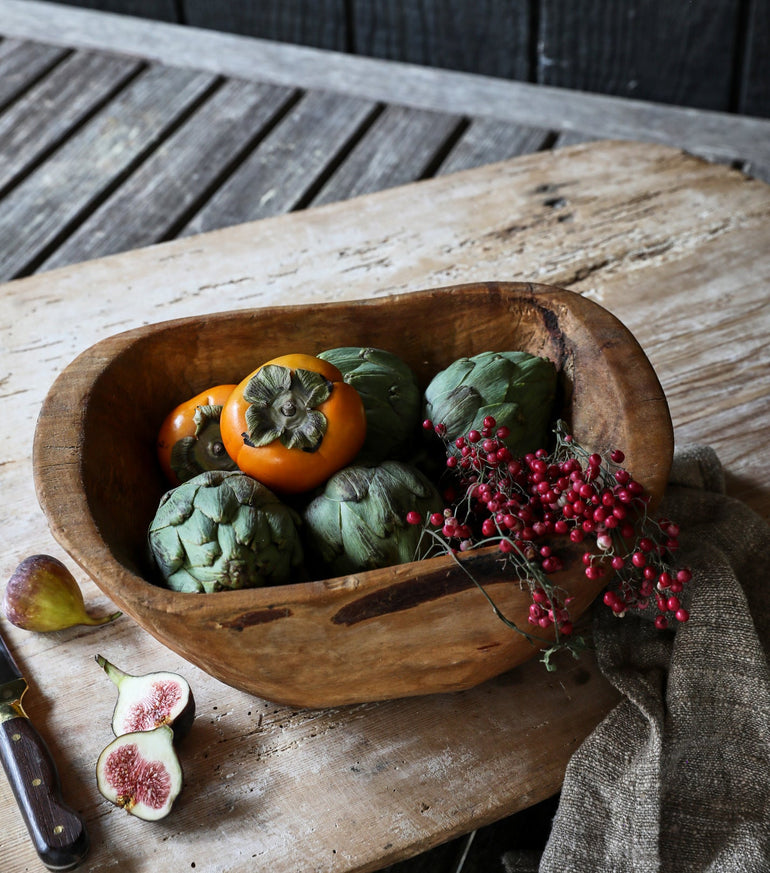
<point x="58" y="833"/>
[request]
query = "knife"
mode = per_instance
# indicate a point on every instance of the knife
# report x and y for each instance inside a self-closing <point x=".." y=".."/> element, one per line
<point x="58" y="832"/>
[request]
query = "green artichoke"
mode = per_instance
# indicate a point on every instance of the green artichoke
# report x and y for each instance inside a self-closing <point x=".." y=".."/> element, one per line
<point x="359" y="521"/>
<point x="517" y="389"/>
<point x="391" y="398"/>
<point x="223" y="530"/>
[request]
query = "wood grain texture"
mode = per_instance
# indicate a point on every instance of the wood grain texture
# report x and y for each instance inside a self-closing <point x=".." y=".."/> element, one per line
<point x="714" y="134"/>
<point x="680" y="53"/>
<point x="399" y="147"/>
<point x="305" y="22"/>
<point x="48" y="112"/>
<point x="286" y="165"/>
<point x="675" y="247"/>
<point x="161" y="10"/>
<point x="21" y="63"/>
<point x="39" y="209"/>
<point x="168" y="187"/>
<point x="486" y="37"/>
<point x="58" y="833"/>
<point x="487" y="141"/>
<point x="755" y="70"/>
<point x="696" y="54"/>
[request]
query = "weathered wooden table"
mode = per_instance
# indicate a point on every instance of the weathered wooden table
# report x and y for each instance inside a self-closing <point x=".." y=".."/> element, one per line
<point x="115" y="135"/>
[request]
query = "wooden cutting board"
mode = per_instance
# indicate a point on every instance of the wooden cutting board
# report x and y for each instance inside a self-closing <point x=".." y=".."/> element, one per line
<point x="677" y="248"/>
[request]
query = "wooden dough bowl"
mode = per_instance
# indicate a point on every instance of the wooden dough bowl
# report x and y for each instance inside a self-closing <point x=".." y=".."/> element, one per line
<point x="412" y="629"/>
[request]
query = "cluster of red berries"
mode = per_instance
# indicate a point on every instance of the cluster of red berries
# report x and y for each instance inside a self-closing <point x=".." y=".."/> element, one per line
<point x="523" y="504"/>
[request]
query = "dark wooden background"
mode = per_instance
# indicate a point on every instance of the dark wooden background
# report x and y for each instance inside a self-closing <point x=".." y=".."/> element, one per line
<point x="710" y="54"/>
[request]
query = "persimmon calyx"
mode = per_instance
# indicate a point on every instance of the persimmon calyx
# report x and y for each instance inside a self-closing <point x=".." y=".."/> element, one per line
<point x="283" y="405"/>
<point x="204" y="415"/>
<point x="205" y="450"/>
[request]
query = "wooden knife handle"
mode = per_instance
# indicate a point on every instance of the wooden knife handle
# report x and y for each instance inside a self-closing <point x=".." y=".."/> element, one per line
<point x="58" y="832"/>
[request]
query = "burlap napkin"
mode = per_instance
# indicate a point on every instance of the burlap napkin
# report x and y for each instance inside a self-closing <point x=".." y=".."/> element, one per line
<point x="676" y="779"/>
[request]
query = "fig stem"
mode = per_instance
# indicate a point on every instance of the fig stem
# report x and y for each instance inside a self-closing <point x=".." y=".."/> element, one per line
<point x="115" y="673"/>
<point x="102" y="619"/>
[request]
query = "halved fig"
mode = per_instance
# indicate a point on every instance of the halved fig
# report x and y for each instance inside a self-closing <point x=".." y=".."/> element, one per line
<point x="146" y="702"/>
<point x="140" y="772"/>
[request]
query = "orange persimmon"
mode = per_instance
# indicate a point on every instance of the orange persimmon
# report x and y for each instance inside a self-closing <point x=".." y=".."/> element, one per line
<point x="293" y="422"/>
<point x="189" y="440"/>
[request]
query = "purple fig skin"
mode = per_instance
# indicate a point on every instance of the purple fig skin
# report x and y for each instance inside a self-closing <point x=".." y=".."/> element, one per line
<point x="42" y="595"/>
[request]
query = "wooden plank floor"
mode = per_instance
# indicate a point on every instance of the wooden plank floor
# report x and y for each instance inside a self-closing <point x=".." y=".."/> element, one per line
<point x="163" y="131"/>
<point x="102" y="153"/>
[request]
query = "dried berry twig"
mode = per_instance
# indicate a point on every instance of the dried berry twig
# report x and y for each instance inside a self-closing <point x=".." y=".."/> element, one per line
<point x="523" y="505"/>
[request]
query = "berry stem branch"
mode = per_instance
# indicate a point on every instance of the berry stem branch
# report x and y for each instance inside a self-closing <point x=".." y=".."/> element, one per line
<point x="524" y="505"/>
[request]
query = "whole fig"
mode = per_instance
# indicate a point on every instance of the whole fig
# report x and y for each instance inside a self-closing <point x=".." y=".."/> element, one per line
<point x="43" y="595"/>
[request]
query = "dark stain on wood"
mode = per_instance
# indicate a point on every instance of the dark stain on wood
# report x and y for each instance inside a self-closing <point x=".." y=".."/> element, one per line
<point x="488" y="647"/>
<point x="259" y="616"/>
<point x="402" y="595"/>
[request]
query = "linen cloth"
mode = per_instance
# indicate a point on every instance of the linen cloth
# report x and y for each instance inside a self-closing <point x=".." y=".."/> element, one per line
<point x="676" y="779"/>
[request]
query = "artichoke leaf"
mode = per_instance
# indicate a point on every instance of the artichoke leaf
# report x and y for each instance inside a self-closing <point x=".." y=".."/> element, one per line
<point x="199" y="529"/>
<point x="461" y="404"/>
<point x="360" y="543"/>
<point x="247" y="491"/>
<point x="243" y="525"/>
<point x="168" y="549"/>
<point x="453" y="376"/>
<point x="260" y="534"/>
<point x="176" y="506"/>
<point x="181" y="580"/>
<point x="391" y="396"/>
<point x="215" y="500"/>
<point x="236" y="574"/>
<point x="269" y="560"/>
<point x="203" y="555"/>
<point x="384" y="506"/>
<point x="349" y="484"/>
<point x="282" y="528"/>
<point x="226" y="540"/>
<point x="324" y="518"/>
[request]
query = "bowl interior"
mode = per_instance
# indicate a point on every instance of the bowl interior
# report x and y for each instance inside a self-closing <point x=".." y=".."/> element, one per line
<point x="136" y="388"/>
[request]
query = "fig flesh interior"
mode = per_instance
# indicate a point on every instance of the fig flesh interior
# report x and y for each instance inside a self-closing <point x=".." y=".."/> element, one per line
<point x="140" y="772"/>
<point x="148" y="701"/>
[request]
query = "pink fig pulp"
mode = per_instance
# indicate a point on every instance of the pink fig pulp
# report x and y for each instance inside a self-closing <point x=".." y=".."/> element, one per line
<point x="141" y="773"/>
